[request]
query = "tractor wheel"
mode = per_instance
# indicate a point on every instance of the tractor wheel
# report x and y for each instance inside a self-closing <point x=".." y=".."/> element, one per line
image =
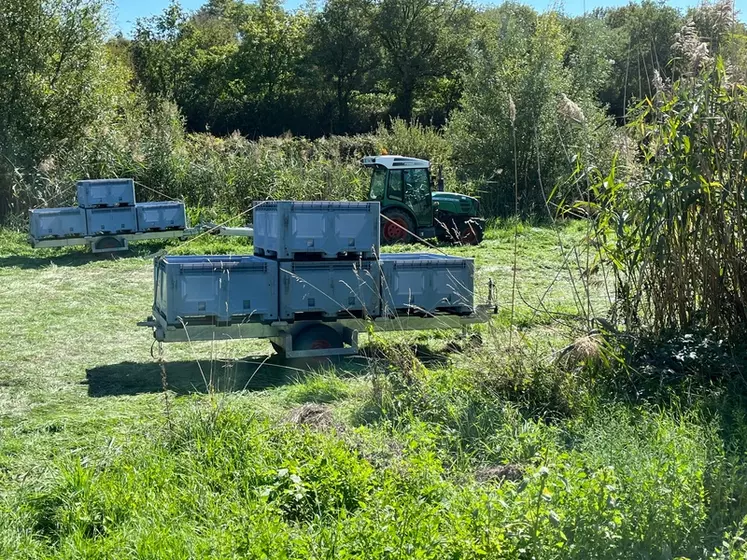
<point x="396" y="227"/>
<point x="317" y="337"/>
<point x="471" y="233"/>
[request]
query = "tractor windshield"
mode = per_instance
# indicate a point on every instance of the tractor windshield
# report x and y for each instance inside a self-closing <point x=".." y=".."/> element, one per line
<point x="378" y="184"/>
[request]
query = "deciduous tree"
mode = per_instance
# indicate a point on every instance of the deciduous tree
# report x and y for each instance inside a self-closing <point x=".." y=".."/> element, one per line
<point x="422" y="40"/>
<point x="344" y="49"/>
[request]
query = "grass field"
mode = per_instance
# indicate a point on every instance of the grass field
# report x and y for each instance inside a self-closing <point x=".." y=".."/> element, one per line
<point x="436" y="448"/>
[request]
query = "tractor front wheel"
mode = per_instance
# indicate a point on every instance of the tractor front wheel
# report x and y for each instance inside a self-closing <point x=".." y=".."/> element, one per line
<point x="396" y="227"/>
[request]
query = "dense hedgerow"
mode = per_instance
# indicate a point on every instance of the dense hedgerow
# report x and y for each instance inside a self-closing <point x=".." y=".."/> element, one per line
<point x="222" y="176"/>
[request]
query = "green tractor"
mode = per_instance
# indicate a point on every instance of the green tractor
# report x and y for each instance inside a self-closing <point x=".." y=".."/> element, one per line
<point x="410" y="208"/>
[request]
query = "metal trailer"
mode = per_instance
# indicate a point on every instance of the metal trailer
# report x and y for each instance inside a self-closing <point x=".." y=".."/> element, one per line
<point x="120" y="241"/>
<point x="283" y="334"/>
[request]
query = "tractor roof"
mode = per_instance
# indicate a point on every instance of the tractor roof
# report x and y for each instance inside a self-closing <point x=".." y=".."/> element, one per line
<point x="396" y="162"/>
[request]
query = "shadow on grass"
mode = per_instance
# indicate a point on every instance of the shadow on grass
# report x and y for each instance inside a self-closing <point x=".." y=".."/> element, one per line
<point x="77" y="256"/>
<point x="427" y="356"/>
<point x="68" y="259"/>
<point x="252" y="373"/>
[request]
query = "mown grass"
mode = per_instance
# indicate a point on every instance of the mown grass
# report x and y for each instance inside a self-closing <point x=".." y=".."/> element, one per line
<point x="437" y="448"/>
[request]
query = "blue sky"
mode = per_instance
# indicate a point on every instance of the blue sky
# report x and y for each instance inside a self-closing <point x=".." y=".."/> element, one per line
<point x="125" y="12"/>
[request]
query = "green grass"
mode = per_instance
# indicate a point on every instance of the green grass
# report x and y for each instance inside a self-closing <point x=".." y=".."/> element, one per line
<point x="486" y="451"/>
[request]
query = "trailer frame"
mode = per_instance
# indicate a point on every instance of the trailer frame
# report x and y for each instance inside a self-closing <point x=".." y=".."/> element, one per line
<point x="114" y="242"/>
<point x="283" y="333"/>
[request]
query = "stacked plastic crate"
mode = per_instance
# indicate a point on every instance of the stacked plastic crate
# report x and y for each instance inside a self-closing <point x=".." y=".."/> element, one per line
<point x="313" y="260"/>
<point x="57" y="223"/>
<point x="109" y="205"/>
<point x="160" y="216"/>
<point x="111" y="208"/>
<point x="215" y="289"/>
<point x="425" y="283"/>
<point x="327" y="257"/>
<point x="106" y="207"/>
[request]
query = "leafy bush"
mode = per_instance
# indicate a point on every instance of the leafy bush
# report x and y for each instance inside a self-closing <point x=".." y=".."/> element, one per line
<point x="517" y="126"/>
<point x="58" y="83"/>
<point x="224" y="175"/>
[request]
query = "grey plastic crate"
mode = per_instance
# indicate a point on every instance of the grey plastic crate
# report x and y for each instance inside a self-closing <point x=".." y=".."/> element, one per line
<point x="329" y="289"/>
<point x="215" y="289"/>
<point x="46" y="223"/>
<point x="106" y="193"/>
<point x="160" y="216"/>
<point x="286" y="230"/>
<point x="424" y="283"/>
<point x="111" y="220"/>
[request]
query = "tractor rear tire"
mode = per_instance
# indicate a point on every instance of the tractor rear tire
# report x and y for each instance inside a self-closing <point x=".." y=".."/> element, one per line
<point x="471" y="233"/>
<point x="396" y="227"/>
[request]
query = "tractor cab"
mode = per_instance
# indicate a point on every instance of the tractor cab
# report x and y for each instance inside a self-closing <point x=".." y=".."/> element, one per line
<point x="410" y="207"/>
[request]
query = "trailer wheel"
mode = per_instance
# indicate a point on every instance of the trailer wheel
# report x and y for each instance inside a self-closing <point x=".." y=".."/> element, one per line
<point x="317" y="337"/>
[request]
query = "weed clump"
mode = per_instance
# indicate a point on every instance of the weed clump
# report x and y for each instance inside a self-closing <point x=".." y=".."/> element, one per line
<point x="315" y="416"/>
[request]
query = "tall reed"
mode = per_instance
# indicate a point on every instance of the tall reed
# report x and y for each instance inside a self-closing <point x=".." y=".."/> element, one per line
<point x="676" y="239"/>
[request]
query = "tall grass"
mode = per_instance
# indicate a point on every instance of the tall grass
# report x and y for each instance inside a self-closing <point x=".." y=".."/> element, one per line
<point x="449" y="472"/>
<point x="676" y="239"/>
<point x="219" y="174"/>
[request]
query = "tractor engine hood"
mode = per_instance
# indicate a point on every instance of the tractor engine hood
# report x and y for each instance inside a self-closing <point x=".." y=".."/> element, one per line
<point x="456" y="203"/>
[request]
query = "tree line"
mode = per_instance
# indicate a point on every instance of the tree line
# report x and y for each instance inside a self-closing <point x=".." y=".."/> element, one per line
<point x="351" y="64"/>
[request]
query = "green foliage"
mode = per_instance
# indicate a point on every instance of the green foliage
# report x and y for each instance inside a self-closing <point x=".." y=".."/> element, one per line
<point x="223" y="176"/>
<point x="232" y="483"/>
<point x="346" y="66"/>
<point x="77" y="105"/>
<point x="344" y="51"/>
<point x="182" y="59"/>
<point x="422" y="40"/>
<point x="50" y="53"/>
<point x="318" y="388"/>
<point x="642" y="49"/>
<point x="265" y="71"/>
<point x="516" y="122"/>
<point x="674" y="240"/>
<point x="229" y="66"/>
<point x="588" y="57"/>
